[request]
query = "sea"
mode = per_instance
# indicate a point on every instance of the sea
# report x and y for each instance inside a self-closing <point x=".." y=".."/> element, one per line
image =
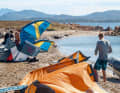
<point x="103" y="24"/>
<point x="87" y="44"/>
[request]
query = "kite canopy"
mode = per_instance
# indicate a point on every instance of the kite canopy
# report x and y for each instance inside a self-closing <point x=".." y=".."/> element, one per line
<point x="30" y="44"/>
<point x="77" y="56"/>
<point x="114" y="65"/>
<point x="33" y="31"/>
<point x="24" y="51"/>
<point x="66" y="77"/>
<point x="44" y="45"/>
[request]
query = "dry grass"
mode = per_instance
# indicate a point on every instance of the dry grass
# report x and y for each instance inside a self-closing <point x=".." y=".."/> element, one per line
<point x="57" y="26"/>
<point x="20" y="24"/>
<point x="13" y="24"/>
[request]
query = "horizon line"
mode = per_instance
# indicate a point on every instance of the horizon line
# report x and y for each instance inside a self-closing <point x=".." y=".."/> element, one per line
<point x="61" y="13"/>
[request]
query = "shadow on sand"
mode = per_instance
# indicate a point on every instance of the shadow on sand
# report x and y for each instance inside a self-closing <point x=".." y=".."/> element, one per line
<point x="27" y="61"/>
<point x="113" y="79"/>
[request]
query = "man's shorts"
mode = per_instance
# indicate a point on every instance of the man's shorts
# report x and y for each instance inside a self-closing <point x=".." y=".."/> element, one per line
<point x="100" y="64"/>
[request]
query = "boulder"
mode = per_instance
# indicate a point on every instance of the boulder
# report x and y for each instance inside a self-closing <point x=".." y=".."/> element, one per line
<point x="117" y="29"/>
<point x="57" y="37"/>
<point x="108" y="29"/>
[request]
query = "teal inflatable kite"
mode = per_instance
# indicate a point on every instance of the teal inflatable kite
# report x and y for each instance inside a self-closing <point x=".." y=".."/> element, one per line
<point x="30" y="43"/>
<point x="33" y="31"/>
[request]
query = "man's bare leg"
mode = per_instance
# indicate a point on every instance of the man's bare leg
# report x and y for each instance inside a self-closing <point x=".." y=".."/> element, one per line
<point x="96" y="74"/>
<point x="104" y="75"/>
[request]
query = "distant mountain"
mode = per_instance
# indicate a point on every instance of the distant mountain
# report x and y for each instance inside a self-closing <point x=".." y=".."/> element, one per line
<point x="23" y="15"/>
<point x="107" y="16"/>
<point x="113" y="15"/>
<point x="5" y="11"/>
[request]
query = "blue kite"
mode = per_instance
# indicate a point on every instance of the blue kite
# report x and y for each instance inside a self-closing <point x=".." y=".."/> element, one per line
<point x="32" y="32"/>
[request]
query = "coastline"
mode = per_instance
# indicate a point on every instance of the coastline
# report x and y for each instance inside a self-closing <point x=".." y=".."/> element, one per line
<point x="112" y="85"/>
<point x="68" y="33"/>
<point x="12" y="73"/>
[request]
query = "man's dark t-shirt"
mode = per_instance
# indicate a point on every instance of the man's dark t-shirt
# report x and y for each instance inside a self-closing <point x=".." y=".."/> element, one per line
<point x="7" y="35"/>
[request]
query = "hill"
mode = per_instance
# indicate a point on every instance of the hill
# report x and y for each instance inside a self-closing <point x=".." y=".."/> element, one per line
<point x="106" y="16"/>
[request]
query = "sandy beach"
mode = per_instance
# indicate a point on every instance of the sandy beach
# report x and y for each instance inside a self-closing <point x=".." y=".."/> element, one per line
<point x="12" y="73"/>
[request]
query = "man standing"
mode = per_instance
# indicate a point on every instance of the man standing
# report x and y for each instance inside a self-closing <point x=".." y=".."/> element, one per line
<point x="103" y="47"/>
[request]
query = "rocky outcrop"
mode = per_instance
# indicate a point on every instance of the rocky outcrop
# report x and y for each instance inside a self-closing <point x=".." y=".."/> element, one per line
<point x="117" y="29"/>
<point x="115" y="32"/>
<point x="57" y="37"/>
<point x="85" y="28"/>
<point x="99" y="28"/>
<point x="108" y="29"/>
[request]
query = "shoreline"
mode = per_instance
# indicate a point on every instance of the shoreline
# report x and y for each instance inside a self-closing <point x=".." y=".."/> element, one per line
<point x="112" y="85"/>
<point x="55" y="35"/>
<point x="12" y="73"/>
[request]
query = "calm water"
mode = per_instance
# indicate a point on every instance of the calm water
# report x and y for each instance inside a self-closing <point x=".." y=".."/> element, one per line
<point x="103" y="24"/>
<point x="86" y="44"/>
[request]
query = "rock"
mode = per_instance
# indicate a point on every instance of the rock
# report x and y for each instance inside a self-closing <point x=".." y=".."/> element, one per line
<point x="86" y="28"/>
<point x="57" y="37"/>
<point x="66" y="35"/>
<point x="99" y="28"/>
<point x="108" y="29"/>
<point x="117" y="29"/>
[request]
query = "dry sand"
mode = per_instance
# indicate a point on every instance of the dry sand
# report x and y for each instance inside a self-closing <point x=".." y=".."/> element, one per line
<point x="12" y="73"/>
<point x="68" y="33"/>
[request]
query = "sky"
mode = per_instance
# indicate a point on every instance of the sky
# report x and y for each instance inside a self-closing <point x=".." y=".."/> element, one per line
<point x="69" y="7"/>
